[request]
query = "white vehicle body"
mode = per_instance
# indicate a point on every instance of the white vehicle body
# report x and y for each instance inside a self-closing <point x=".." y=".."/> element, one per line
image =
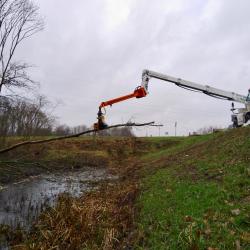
<point x="239" y="117"/>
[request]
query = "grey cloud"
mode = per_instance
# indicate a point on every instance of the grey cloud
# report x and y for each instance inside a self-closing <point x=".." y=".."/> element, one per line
<point x="82" y="61"/>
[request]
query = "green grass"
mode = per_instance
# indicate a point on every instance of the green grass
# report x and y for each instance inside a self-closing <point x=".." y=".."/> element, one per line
<point x="178" y="211"/>
<point x="173" y="145"/>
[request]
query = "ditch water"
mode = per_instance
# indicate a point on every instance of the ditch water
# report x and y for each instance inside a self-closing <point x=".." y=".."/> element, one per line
<point x="21" y="203"/>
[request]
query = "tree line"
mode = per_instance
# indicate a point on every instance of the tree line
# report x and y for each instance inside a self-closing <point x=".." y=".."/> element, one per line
<point x="62" y="130"/>
<point x="21" y="117"/>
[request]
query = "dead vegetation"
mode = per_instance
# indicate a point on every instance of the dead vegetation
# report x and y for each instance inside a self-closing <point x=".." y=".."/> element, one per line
<point x="99" y="220"/>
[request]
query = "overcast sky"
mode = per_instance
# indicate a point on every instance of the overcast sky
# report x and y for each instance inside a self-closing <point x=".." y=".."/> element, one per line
<point x="94" y="50"/>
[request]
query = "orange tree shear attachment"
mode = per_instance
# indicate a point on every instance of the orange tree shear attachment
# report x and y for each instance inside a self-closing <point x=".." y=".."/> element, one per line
<point x="139" y="92"/>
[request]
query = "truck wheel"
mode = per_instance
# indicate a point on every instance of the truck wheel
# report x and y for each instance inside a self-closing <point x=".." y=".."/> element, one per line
<point x="247" y="117"/>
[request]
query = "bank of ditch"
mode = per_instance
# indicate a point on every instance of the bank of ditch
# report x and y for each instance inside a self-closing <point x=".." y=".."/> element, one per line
<point x="51" y="157"/>
<point x="172" y="193"/>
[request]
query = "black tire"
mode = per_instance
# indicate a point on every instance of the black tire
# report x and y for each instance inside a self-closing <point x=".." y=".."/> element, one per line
<point x="247" y="117"/>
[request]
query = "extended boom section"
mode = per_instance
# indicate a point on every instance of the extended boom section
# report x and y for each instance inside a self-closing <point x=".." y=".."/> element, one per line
<point x="239" y="117"/>
<point x="214" y="92"/>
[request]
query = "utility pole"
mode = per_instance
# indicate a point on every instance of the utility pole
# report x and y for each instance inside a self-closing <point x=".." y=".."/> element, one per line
<point x="175" y="128"/>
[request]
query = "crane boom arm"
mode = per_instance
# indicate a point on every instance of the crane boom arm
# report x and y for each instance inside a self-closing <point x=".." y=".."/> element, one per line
<point x="214" y="92"/>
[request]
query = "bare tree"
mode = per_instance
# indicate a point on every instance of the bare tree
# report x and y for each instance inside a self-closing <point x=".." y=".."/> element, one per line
<point x="25" y="118"/>
<point x="78" y="129"/>
<point x="19" y="19"/>
<point x="61" y="130"/>
<point x="124" y="131"/>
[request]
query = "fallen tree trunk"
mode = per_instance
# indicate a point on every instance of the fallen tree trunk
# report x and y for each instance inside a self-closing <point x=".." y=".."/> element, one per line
<point x="5" y="150"/>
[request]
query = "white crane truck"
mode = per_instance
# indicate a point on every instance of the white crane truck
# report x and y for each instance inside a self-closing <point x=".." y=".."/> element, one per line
<point x="239" y="117"/>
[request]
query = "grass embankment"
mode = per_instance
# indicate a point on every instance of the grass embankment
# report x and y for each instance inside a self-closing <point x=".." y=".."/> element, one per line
<point x="200" y="197"/>
<point x="173" y="193"/>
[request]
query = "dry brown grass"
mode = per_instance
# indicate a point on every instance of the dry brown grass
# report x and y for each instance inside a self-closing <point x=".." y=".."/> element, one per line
<point x="98" y="220"/>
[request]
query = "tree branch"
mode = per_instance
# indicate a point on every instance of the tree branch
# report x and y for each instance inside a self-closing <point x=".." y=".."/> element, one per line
<point x="19" y="19"/>
<point x="5" y="150"/>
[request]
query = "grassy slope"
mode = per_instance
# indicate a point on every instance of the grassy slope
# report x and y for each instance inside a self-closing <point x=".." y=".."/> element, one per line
<point x="199" y="198"/>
